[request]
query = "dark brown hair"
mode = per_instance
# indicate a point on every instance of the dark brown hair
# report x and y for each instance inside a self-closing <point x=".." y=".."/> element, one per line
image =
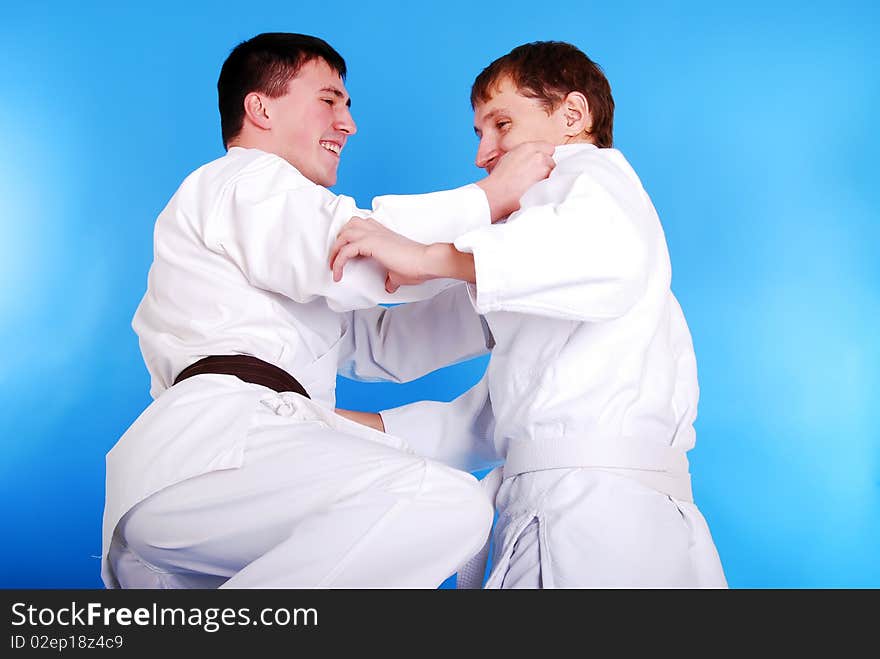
<point x="265" y="64"/>
<point x="549" y="71"/>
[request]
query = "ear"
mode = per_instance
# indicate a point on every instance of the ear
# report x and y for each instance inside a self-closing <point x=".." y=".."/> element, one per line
<point x="256" y="111"/>
<point x="576" y="114"/>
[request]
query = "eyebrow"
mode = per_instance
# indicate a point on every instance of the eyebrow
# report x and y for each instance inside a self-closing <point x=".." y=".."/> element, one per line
<point x="490" y="115"/>
<point x="338" y="93"/>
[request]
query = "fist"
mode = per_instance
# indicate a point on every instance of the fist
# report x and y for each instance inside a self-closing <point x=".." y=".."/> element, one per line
<point x="514" y="173"/>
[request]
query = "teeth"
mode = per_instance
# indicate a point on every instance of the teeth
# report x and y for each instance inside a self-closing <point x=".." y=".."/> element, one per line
<point x="331" y="147"/>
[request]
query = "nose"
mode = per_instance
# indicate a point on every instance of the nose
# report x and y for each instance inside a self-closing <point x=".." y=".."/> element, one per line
<point x="487" y="153"/>
<point x="345" y="122"/>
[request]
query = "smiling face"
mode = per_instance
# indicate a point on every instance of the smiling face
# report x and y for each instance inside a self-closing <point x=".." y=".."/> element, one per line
<point x="508" y="119"/>
<point x="311" y="122"/>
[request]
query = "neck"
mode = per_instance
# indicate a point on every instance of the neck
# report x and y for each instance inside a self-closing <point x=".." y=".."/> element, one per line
<point x="249" y="139"/>
<point x="581" y="138"/>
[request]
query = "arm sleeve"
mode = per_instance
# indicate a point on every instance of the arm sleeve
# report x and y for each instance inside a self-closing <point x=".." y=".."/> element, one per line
<point x="407" y="341"/>
<point x="436" y="217"/>
<point x="583" y="259"/>
<point x="458" y="433"/>
<point x="278" y="227"/>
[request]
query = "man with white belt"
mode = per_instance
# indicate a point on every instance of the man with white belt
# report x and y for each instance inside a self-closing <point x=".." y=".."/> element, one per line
<point x="591" y="390"/>
<point x="240" y="474"/>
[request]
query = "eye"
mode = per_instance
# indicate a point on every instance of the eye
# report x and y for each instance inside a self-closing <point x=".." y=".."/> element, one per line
<point x="328" y="101"/>
<point x="502" y="124"/>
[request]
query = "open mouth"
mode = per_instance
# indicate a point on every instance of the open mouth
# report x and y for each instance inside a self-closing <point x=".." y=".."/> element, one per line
<point x="332" y="147"/>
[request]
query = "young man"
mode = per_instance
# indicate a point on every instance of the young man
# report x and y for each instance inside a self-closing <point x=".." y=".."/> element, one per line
<point x="591" y="390"/>
<point x="239" y="474"/>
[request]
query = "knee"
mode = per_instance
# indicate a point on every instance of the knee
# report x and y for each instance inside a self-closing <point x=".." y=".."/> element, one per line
<point x="132" y="554"/>
<point x="139" y="530"/>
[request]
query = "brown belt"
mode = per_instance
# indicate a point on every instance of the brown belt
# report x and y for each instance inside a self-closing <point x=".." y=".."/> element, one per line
<point x="247" y="368"/>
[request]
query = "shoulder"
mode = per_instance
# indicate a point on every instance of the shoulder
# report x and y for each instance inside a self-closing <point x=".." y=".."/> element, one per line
<point x="590" y="170"/>
<point x="588" y="160"/>
<point x="264" y="173"/>
<point x="249" y="173"/>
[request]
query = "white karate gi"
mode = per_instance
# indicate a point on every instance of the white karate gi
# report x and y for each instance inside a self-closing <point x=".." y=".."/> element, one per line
<point x="590" y="393"/>
<point x="222" y="482"/>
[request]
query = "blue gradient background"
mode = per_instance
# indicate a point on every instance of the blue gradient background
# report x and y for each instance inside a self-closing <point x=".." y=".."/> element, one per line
<point x="752" y="127"/>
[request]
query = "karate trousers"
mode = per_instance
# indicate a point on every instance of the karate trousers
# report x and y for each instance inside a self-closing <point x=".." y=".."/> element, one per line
<point x="311" y="506"/>
<point x="585" y="528"/>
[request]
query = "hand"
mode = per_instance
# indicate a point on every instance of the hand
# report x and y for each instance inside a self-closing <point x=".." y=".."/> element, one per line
<point x="516" y="171"/>
<point x="401" y="257"/>
<point x="368" y="419"/>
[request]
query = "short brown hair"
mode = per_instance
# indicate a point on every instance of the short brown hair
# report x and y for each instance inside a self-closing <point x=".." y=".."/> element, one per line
<point x="549" y="71"/>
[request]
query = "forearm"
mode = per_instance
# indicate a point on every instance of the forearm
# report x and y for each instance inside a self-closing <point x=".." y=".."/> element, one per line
<point x="443" y="261"/>
<point x="498" y="206"/>
<point x="408" y="341"/>
<point x="368" y="419"/>
<point x="459" y="433"/>
<point x="586" y="259"/>
<point x="435" y="216"/>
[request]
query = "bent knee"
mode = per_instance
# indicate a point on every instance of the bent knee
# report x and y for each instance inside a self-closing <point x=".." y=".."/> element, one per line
<point x="143" y="530"/>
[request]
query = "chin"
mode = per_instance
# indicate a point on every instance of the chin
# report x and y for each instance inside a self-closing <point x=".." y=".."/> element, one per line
<point x="322" y="178"/>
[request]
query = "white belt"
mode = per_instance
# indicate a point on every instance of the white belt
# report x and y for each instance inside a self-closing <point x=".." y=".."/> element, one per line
<point x="662" y="468"/>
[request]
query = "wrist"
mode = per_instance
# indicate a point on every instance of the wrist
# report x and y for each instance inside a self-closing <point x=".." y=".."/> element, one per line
<point x="444" y="261"/>
<point x="497" y="209"/>
<point x="369" y="419"/>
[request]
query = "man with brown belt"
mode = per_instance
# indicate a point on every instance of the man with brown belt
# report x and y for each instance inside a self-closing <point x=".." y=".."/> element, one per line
<point x="240" y="474"/>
